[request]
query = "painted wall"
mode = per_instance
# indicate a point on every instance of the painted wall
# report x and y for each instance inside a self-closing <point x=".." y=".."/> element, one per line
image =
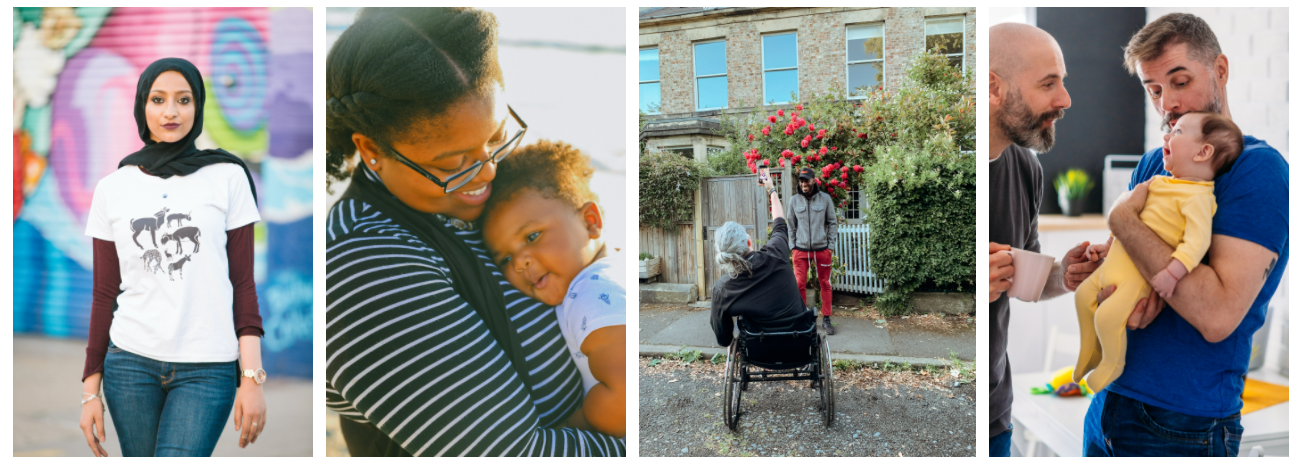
<point x="75" y="74"/>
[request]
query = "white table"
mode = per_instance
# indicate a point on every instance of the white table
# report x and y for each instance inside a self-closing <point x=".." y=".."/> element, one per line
<point x="1059" y="422"/>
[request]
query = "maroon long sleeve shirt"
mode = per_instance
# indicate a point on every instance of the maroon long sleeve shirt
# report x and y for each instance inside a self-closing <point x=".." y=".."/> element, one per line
<point x="108" y="281"/>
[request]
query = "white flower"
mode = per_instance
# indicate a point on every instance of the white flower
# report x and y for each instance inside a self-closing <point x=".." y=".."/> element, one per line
<point x="36" y="67"/>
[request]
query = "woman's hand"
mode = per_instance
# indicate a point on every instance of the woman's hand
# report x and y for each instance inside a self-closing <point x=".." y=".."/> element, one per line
<point x="767" y="182"/>
<point x="92" y="422"/>
<point x="251" y="411"/>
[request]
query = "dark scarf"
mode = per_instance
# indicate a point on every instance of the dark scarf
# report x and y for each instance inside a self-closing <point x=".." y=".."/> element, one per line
<point x="471" y="279"/>
<point x="180" y="158"/>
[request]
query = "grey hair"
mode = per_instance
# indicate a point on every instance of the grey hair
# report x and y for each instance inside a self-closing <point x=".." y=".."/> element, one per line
<point x="731" y="247"/>
<point x="1151" y="41"/>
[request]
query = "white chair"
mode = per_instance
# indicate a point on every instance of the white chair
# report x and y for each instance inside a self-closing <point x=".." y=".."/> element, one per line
<point x="1058" y="342"/>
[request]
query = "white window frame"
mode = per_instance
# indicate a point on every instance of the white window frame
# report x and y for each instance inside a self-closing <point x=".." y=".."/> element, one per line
<point x="847" y="76"/>
<point x="694" y="65"/>
<point x="859" y="204"/>
<point x="657" y="81"/>
<point x="795" y="68"/>
<point x="925" y="36"/>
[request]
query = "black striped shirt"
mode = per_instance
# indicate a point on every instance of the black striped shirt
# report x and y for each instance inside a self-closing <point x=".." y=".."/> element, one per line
<point x="409" y="355"/>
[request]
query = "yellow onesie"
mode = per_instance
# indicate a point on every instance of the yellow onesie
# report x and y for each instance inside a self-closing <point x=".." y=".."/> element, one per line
<point x="1180" y="212"/>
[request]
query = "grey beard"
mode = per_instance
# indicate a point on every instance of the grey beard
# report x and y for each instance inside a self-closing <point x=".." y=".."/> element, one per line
<point x="1024" y="128"/>
<point x="1216" y="106"/>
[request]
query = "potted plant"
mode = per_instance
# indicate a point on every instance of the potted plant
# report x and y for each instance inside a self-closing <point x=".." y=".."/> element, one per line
<point x="648" y="266"/>
<point x="1072" y="191"/>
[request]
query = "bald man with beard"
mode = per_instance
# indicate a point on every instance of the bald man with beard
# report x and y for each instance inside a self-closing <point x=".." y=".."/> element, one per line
<point x="1027" y="94"/>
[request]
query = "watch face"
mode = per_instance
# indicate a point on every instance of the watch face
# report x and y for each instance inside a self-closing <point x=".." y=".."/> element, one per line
<point x="260" y="376"/>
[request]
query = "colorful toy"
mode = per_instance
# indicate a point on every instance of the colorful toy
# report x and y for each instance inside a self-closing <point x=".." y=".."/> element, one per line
<point x="1063" y="385"/>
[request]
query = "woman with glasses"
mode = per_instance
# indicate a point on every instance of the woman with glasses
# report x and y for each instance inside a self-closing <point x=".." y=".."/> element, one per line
<point x="430" y="352"/>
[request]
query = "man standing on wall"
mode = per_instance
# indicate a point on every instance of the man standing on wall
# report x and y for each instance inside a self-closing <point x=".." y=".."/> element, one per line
<point x="813" y="228"/>
<point x="1199" y="340"/>
<point x="1026" y="96"/>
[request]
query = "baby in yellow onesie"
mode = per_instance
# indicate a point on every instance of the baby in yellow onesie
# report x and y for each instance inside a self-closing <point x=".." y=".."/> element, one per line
<point x="1179" y="209"/>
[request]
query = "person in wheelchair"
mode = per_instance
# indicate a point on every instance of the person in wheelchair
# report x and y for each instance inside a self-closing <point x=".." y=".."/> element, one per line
<point x="758" y="286"/>
<point x="778" y="340"/>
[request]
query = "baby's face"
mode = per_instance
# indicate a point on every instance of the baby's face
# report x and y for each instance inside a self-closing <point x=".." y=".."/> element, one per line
<point x="1182" y="145"/>
<point x="541" y="244"/>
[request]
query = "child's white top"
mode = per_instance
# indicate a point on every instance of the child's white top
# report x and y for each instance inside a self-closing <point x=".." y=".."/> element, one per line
<point x="595" y="299"/>
<point x="171" y="237"/>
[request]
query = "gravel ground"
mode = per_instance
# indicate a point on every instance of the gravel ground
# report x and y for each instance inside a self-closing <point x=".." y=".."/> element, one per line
<point x="879" y="413"/>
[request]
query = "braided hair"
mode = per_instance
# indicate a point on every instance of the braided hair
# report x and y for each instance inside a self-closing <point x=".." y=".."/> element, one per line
<point x="396" y="67"/>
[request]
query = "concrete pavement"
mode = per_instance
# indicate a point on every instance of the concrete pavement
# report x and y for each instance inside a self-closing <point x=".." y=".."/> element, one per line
<point x="47" y="388"/>
<point x="665" y="329"/>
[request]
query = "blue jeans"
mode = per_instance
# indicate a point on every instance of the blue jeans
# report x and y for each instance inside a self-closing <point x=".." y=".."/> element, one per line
<point x="1000" y="445"/>
<point x="1117" y="425"/>
<point x="167" y="409"/>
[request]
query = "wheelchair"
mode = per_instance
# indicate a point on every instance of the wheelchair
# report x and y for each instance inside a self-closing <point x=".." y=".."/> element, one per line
<point x="778" y="351"/>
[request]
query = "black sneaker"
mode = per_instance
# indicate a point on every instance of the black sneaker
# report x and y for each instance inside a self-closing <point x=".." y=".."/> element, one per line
<point x="829" y="328"/>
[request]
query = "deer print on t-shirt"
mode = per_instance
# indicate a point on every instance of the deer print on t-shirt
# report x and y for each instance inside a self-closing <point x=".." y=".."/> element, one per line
<point x="177" y="217"/>
<point x="150" y="224"/>
<point x="170" y="235"/>
<point x="191" y="233"/>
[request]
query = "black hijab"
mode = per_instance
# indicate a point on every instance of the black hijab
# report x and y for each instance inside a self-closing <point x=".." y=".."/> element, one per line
<point x="471" y="279"/>
<point x="180" y="158"/>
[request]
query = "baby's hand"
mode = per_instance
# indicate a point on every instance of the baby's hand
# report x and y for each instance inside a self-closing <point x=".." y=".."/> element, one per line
<point x="1164" y="282"/>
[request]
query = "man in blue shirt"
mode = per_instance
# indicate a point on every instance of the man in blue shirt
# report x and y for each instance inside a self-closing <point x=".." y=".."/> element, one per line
<point x="1180" y="393"/>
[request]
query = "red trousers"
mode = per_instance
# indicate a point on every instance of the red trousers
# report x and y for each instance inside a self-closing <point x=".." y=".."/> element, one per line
<point x="802" y="260"/>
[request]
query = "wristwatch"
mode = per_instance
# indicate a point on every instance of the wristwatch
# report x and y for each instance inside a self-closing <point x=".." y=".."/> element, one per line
<point x="258" y="375"/>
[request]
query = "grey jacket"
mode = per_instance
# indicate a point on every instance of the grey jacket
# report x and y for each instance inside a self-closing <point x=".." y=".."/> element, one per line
<point x="813" y="226"/>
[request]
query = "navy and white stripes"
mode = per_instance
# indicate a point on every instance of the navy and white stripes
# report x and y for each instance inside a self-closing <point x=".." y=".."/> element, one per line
<point x="407" y="354"/>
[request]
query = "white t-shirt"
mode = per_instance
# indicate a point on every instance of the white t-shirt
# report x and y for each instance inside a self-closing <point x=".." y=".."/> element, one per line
<point x="595" y="299"/>
<point x="171" y="237"/>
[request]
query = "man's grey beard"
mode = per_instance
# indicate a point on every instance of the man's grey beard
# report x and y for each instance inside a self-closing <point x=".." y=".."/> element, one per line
<point x="1024" y="128"/>
<point x="1216" y="106"/>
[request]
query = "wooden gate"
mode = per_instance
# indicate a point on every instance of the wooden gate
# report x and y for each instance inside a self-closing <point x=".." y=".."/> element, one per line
<point x="731" y="198"/>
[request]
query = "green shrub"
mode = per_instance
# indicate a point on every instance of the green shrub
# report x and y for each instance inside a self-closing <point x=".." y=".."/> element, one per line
<point x="921" y="208"/>
<point x="666" y="188"/>
<point x="725" y="163"/>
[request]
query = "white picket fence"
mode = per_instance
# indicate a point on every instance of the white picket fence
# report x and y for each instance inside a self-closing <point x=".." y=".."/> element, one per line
<point x="850" y="247"/>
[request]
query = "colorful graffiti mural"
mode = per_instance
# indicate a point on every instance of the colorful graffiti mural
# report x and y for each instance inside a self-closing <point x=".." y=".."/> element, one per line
<point x="75" y="73"/>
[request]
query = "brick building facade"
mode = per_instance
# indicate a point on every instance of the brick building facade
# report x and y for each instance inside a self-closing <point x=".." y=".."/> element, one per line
<point x="668" y="36"/>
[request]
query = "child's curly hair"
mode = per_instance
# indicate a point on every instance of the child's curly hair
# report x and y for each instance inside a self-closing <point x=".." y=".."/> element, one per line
<point x="555" y="169"/>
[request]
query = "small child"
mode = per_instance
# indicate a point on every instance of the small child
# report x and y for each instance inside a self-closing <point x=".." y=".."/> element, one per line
<point x="1179" y="209"/>
<point x="544" y="230"/>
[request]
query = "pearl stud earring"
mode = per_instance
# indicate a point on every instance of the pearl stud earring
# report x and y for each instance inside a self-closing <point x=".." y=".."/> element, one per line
<point x="373" y="160"/>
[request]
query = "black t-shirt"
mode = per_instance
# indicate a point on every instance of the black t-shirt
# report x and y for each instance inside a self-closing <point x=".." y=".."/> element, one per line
<point x="770" y="293"/>
<point x="1015" y="191"/>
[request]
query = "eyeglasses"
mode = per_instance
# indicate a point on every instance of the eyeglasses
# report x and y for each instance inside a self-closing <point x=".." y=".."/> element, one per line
<point x="461" y="178"/>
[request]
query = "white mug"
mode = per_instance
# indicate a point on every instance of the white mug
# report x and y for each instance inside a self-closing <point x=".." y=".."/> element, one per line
<point x="1031" y="274"/>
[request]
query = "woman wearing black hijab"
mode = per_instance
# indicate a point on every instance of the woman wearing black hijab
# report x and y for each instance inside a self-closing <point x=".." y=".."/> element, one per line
<point x="174" y="315"/>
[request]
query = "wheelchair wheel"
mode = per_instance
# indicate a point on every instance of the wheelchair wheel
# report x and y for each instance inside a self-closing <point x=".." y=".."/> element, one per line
<point x="733" y="392"/>
<point x="827" y="383"/>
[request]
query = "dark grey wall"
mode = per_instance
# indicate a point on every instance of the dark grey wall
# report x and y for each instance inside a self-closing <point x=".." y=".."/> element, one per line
<point x="1106" y="115"/>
